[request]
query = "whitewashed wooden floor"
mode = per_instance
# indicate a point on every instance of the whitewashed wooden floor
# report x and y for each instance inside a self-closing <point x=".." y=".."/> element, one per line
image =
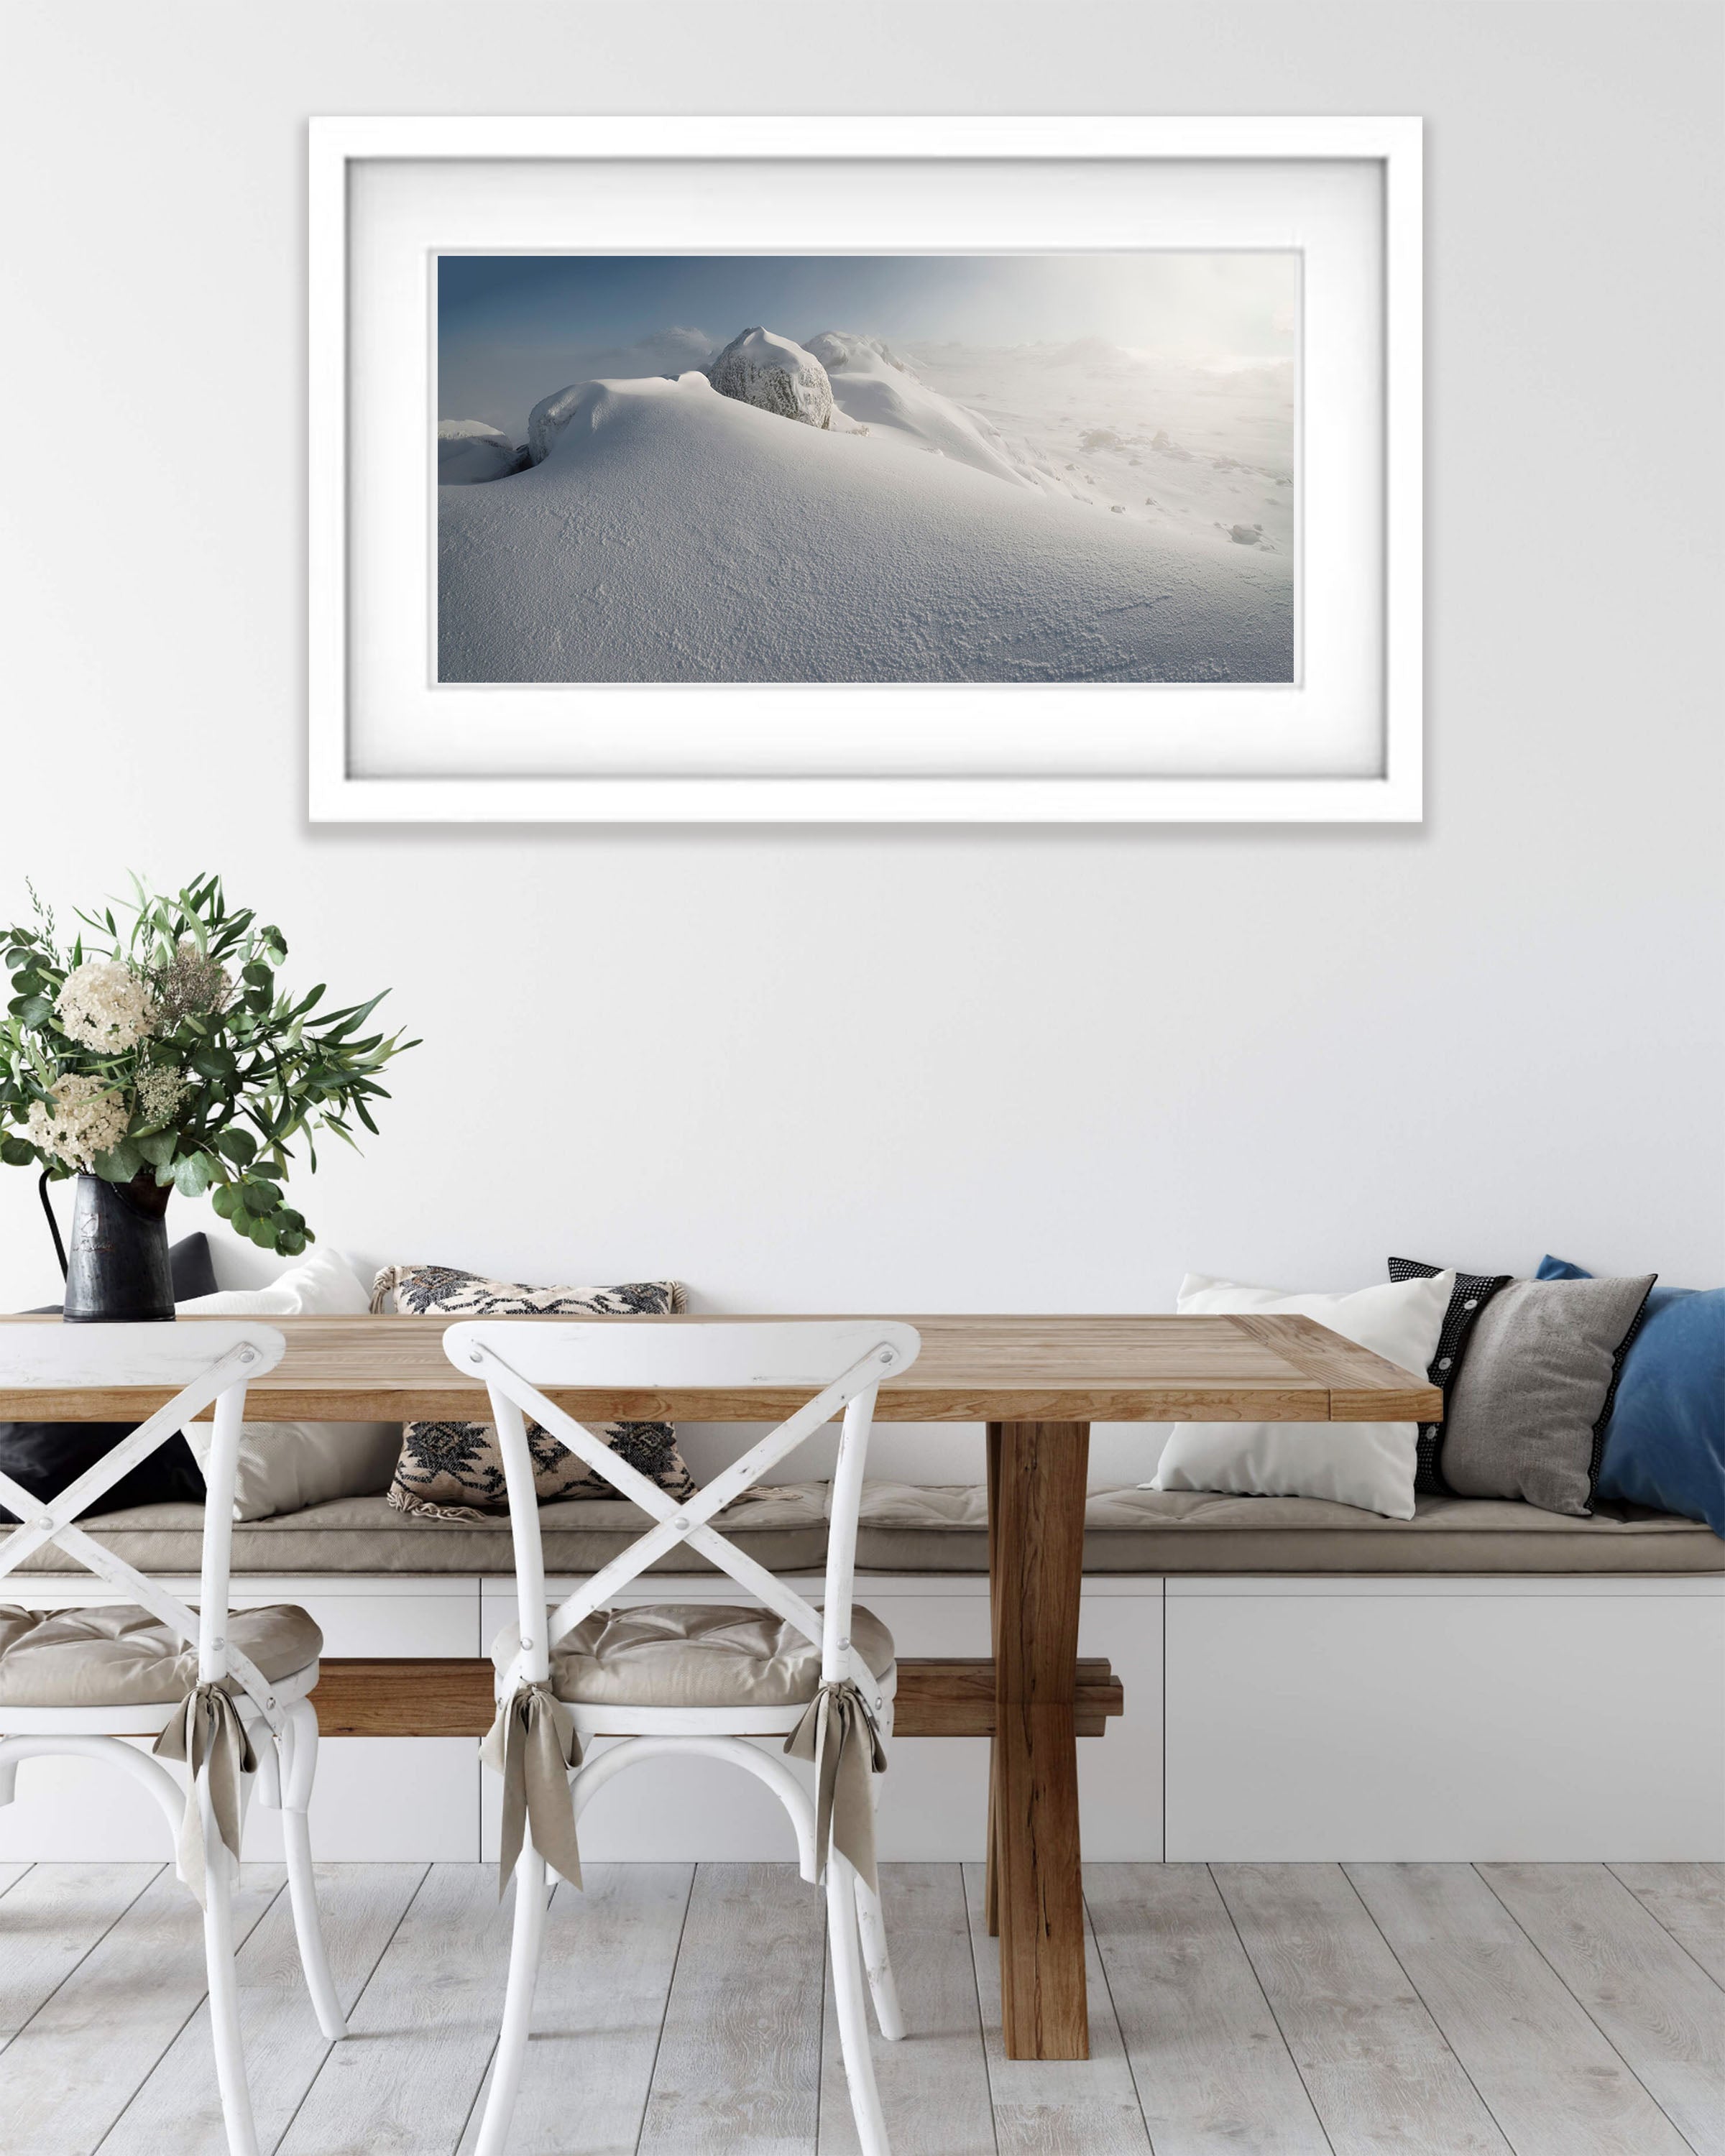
<point x="1241" y="2010"/>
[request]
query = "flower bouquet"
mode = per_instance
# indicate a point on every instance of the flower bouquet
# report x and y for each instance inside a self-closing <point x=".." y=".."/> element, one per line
<point x="158" y="1054"/>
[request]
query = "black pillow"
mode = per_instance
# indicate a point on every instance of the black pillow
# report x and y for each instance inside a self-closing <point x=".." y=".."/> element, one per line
<point x="188" y="1263"/>
<point x="45" y="1456"/>
<point x="1471" y="1293"/>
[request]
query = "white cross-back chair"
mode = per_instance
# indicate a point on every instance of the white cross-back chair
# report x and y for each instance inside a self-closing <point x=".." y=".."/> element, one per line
<point x="823" y="1679"/>
<point x="236" y="1724"/>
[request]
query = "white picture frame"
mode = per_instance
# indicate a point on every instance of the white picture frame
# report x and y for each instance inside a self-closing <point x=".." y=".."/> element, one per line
<point x="384" y="749"/>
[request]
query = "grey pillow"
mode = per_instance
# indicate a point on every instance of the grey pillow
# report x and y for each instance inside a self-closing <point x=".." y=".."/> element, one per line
<point x="1526" y="1415"/>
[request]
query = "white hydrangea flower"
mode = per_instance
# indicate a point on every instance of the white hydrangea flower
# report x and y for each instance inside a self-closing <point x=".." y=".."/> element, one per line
<point x="86" y="1118"/>
<point x="104" y="1005"/>
<point x="160" y="1091"/>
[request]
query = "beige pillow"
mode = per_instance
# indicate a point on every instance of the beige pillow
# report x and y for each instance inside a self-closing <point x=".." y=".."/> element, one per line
<point x="453" y="1471"/>
<point x="284" y="1466"/>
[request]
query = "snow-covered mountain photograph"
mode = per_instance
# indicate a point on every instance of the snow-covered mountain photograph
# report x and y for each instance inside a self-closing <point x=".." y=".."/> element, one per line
<point x="1031" y="469"/>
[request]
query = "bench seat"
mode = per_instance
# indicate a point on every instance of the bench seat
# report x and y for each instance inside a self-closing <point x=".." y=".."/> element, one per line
<point x="914" y="1528"/>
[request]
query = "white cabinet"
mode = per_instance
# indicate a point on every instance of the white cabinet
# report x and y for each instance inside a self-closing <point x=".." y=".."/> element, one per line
<point x="1445" y="1720"/>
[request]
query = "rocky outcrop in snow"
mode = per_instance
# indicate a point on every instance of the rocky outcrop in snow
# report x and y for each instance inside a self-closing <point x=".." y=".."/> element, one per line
<point x="470" y="453"/>
<point x="760" y="367"/>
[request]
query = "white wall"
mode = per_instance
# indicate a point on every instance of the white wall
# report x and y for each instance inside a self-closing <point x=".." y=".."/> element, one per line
<point x="1097" y="1057"/>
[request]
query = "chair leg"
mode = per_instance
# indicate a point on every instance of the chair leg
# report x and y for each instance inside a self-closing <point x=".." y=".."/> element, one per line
<point x="299" y="1770"/>
<point x="883" y="1988"/>
<point x="853" y="2014"/>
<point x="512" y="2052"/>
<point x="224" y="1990"/>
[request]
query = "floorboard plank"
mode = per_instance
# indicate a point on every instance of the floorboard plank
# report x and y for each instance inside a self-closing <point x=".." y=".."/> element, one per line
<point x="1213" y="2073"/>
<point x="71" y="2072"/>
<point x="1554" y="2085"/>
<point x="179" y="2108"/>
<point x="51" y="1921"/>
<point x="1380" y="2077"/>
<point x="10" y="1875"/>
<point x="1052" y="2107"/>
<point x="738" y="2072"/>
<point x="1689" y="1900"/>
<point x="598" y="2011"/>
<point x="421" y="2036"/>
<point x="1665" y="2015"/>
<point x="934" y="2084"/>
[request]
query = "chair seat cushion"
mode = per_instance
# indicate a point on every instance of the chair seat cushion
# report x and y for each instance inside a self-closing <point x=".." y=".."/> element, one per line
<point x="694" y="1654"/>
<point x="118" y="1654"/>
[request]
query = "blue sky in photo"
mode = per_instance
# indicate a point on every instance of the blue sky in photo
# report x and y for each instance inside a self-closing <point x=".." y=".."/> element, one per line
<point x="508" y="324"/>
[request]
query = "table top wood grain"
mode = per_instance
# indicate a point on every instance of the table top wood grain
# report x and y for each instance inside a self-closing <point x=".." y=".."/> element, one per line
<point x="984" y="1368"/>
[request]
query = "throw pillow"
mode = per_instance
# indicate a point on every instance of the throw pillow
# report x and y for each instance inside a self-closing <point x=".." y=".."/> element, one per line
<point x="1469" y="1296"/>
<point x="1527" y="1413"/>
<point x="283" y="1466"/>
<point x="1664" y="1441"/>
<point x="453" y="1471"/>
<point x="323" y="1284"/>
<point x="189" y="1270"/>
<point x="44" y="1456"/>
<point x="1367" y="1464"/>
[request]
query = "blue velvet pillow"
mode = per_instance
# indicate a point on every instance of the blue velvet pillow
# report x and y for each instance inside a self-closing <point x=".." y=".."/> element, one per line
<point x="1665" y="1443"/>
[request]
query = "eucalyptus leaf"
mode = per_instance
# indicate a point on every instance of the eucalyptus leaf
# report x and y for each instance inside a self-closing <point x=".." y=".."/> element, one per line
<point x="193" y="1173"/>
<point x="120" y="1163"/>
<point x="17" y="1152"/>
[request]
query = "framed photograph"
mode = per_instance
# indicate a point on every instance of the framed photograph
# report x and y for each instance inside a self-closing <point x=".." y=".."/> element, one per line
<point x="1002" y="470"/>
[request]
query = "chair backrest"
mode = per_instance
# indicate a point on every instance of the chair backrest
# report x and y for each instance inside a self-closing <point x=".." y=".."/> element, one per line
<point x="841" y="1361"/>
<point x="210" y="1362"/>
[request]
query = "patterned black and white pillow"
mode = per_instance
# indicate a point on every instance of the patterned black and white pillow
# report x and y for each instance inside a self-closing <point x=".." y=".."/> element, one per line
<point x="1471" y="1293"/>
<point x="453" y="1471"/>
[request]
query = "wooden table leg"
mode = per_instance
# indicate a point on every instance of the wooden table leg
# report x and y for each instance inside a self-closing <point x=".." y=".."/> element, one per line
<point x="991" y="1889"/>
<point x="1036" y="1479"/>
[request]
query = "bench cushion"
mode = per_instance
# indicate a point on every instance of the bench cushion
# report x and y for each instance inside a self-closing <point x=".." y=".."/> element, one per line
<point x="117" y="1655"/>
<point x="694" y="1654"/>
<point x="782" y="1525"/>
<point x="915" y="1528"/>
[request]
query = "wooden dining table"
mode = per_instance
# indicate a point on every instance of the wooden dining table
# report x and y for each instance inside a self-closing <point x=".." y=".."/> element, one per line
<point x="1038" y="1384"/>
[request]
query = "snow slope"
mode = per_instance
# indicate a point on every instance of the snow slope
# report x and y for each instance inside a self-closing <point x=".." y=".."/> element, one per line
<point x="671" y="534"/>
<point x="1184" y="447"/>
<point x="874" y="386"/>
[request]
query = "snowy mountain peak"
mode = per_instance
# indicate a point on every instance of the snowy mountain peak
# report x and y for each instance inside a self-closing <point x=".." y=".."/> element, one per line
<point x="844" y="351"/>
<point x="762" y="367"/>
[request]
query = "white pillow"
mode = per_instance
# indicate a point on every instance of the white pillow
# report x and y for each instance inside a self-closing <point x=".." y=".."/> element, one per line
<point x="1368" y="1464"/>
<point x="324" y="1285"/>
<point x="283" y="1466"/>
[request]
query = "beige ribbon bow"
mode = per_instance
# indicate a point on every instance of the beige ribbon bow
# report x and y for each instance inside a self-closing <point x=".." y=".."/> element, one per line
<point x="207" y="1731"/>
<point x="839" y="1735"/>
<point x="532" y="1745"/>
